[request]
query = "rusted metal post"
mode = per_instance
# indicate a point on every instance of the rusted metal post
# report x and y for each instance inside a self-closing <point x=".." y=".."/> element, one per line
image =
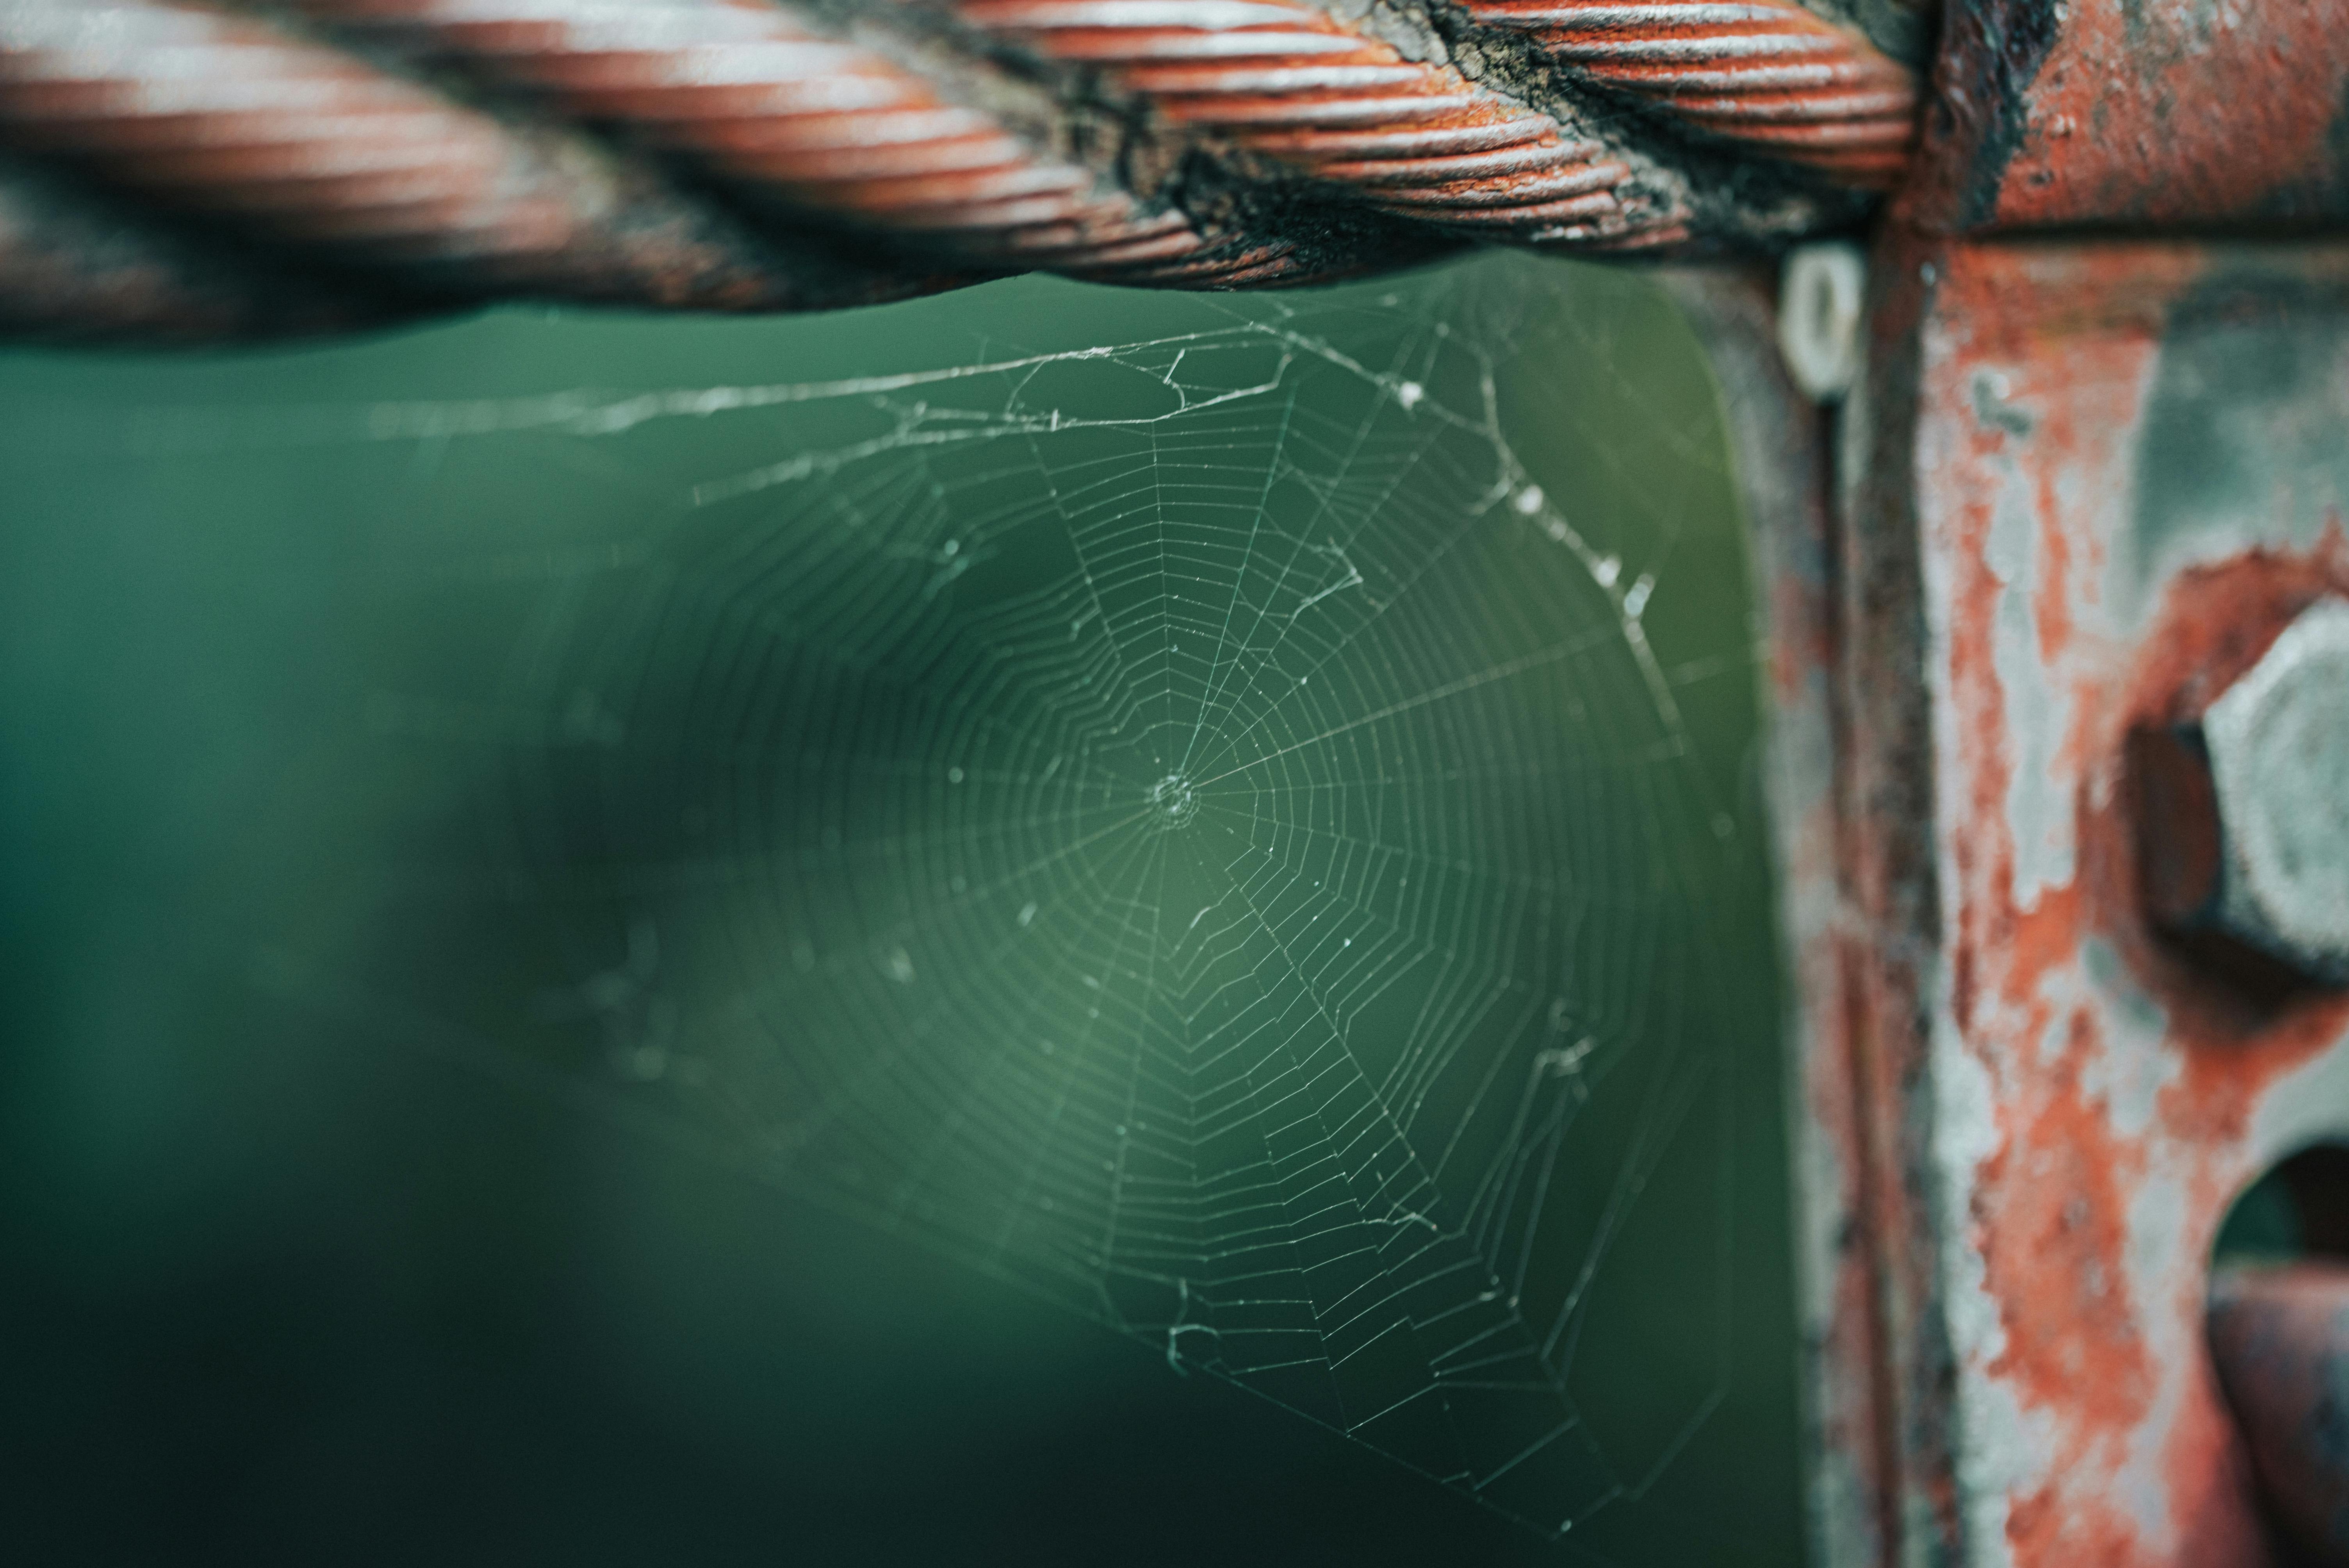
<point x="2093" y="475"/>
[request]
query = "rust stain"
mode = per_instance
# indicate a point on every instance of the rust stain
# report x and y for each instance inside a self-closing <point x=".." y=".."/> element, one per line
<point x="2161" y="112"/>
<point x="2052" y="1204"/>
<point x="2168" y="112"/>
<point x="1888" y="1376"/>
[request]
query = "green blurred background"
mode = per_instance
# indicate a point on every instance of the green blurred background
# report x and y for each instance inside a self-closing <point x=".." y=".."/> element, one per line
<point x="303" y="1265"/>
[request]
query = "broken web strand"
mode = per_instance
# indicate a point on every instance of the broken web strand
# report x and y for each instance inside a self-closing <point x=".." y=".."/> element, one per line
<point x="1193" y="824"/>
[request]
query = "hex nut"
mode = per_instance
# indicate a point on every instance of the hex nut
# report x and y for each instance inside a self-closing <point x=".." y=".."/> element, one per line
<point x="2244" y="814"/>
<point x="1822" y="292"/>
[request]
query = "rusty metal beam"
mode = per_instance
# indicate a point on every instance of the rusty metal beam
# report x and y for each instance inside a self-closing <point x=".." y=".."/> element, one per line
<point x="2160" y="114"/>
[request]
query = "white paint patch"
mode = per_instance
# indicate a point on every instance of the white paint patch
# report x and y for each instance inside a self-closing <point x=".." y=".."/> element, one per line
<point x="2157" y="1238"/>
<point x="2038" y="714"/>
<point x="2135" y="1061"/>
<point x="2000" y="1447"/>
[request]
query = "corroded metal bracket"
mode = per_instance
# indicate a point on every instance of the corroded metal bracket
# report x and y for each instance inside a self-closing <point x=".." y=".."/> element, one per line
<point x="2091" y="471"/>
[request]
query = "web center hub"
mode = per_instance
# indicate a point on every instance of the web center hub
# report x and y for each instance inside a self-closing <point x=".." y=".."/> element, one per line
<point x="1173" y="801"/>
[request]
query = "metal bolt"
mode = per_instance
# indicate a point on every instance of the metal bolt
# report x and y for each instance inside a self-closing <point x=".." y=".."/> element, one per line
<point x="1820" y="294"/>
<point x="2243" y="829"/>
<point x="2279" y="1341"/>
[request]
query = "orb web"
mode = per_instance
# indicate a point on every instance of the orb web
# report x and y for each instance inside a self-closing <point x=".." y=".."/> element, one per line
<point x="1193" y="825"/>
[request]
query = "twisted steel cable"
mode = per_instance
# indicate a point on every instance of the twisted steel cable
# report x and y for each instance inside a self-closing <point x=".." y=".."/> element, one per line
<point x="1764" y="74"/>
<point x="69" y="258"/>
<point x="1294" y="83"/>
<point x="759" y="97"/>
<point x="282" y="139"/>
<point x="371" y="158"/>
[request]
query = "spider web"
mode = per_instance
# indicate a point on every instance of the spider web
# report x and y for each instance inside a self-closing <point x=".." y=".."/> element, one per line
<point x="1191" y="824"/>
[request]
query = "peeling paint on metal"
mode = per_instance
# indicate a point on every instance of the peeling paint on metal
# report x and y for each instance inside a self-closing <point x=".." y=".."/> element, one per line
<point x="2094" y="1091"/>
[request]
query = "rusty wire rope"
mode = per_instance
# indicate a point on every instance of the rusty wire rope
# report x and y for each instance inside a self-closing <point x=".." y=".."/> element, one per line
<point x="1769" y="76"/>
<point x="196" y="168"/>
